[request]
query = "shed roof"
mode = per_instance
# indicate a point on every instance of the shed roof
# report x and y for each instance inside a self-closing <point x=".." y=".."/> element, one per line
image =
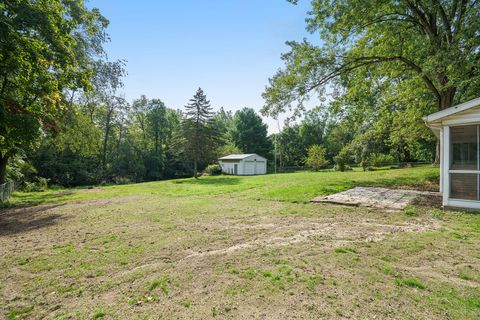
<point x="437" y="116"/>
<point x="239" y="156"/>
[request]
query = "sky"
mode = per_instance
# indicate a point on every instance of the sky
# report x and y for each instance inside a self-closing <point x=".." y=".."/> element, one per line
<point x="229" y="48"/>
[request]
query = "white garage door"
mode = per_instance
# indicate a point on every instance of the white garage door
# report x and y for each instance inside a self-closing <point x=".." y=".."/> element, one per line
<point x="260" y="167"/>
<point x="249" y="167"/>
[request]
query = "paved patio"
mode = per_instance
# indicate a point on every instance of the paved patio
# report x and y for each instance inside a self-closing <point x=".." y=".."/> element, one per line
<point x="382" y="198"/>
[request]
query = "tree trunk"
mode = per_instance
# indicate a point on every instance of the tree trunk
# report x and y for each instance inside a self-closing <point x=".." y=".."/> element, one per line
<point x="104" y="151"/>
<point x="445" y="101"/>
<point x="195" y="169"/>
<point x="3" y="168"/>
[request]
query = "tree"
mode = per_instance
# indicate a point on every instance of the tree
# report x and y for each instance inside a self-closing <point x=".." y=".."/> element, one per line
<point x="249" y="133"/>
<point x="199" y="133"/>
<point x="46" y="49"/>
<point x="316" y="157"/>
<point x="426" y="52"/>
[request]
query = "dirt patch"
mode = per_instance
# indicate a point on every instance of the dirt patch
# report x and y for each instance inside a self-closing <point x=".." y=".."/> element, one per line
<point x="382" y="198"/>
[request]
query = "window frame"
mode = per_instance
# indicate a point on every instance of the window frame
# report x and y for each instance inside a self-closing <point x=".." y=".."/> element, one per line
<point x="449" y="156"/>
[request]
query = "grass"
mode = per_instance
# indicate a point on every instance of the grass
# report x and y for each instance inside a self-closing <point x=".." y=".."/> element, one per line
<point x="19" y="313"/>
<point x="410" y="282"/>
<point x="292" y="187"/>
<point x="237" y="247"/>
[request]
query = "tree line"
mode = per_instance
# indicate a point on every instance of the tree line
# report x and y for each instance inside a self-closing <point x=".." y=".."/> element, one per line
<point x="383" y="65"/>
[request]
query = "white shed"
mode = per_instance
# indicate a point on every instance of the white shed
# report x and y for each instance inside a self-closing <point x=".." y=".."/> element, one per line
<point x="243" y="164"/>
<point x="458" y="129"/>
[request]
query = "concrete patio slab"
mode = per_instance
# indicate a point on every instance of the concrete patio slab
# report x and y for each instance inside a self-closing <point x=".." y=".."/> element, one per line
<point x="382" y="198"/>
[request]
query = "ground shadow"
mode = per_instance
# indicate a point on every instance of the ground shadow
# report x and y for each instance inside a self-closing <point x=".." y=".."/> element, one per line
<point x="34" y="199"/>
<point x="18" y="220"/>
<point x="230" y="180"/>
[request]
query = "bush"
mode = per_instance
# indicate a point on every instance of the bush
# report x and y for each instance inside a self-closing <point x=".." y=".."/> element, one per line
<point x="121" y="180"/>
<point x="213" y="170"/>
<point x="316" y="157"/>
<point x="379" y="159"/>
<point x="342" y="167"/>
<point x="342" y="159"/>
<point x="41" y="184"/>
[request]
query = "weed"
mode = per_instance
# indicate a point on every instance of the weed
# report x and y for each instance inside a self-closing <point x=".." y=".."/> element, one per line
<point x="186" y="303"/>
<point x="464" y="276"/>
<point x="410" y="282"/>
<point x="162" y="282"/>
<point x="410" y="211"/>
<point x="313" y="281"/>
<point x="98" y="315"/>
<point x="344" y="250"/>
<point x="16" y="314"/>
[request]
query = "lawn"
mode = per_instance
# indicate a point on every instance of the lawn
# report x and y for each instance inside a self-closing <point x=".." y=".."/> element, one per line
<point x="237" y="247"/>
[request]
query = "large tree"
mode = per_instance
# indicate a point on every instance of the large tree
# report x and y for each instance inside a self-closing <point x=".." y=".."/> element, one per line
<point x="46" y="49"/>
<point x="432" y="42"/>
<point x="249" y="133"/>
<point x="199" y="131"/>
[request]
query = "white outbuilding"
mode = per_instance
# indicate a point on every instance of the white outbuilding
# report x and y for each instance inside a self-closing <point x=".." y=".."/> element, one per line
<point x="458" y="129"/>
<point x="243" y="164"/>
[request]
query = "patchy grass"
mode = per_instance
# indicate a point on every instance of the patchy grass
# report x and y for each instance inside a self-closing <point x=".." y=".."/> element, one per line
<point x="237" y="247"/>
<point x="19" y="313"/>
<point x="410" y="282"/>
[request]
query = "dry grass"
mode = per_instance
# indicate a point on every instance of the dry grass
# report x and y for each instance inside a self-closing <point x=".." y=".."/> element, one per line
<point x="227" y="256"/>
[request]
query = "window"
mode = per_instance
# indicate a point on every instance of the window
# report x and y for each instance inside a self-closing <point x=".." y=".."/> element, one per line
<point x="464" y="162"/>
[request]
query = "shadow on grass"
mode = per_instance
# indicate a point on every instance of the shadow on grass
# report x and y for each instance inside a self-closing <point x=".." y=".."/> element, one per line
<point x="21" y="199"/>
<point x="211" y="181"/>
<point x="18" y="220"/>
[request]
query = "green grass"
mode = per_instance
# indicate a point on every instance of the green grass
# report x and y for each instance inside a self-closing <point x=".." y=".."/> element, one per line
<point x="292" y="187"/>
<point x="229" y="246"/>
<point x="410" y="282"/>
<point x="19" y="313"/>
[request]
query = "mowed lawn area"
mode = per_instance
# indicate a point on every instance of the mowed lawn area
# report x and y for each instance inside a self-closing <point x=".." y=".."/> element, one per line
<point x="237" y="247"/>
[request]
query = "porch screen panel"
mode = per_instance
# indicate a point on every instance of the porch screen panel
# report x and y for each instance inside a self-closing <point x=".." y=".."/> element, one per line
<point x="464" y="186"/>
<point x="464" y="148"/>
<point x="464" y="162"/>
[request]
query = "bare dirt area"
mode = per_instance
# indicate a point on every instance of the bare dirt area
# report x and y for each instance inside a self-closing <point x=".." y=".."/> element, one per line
<point x="229" y="258"/>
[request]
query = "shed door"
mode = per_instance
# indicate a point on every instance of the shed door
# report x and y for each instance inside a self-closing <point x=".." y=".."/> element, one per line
<point x="235" y="168"/>
<point x="464" y="170"/>
<point x="249" y="167"/>
<point x="260" y="167"/>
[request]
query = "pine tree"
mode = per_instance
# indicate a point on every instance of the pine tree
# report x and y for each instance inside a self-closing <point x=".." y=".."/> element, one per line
<point x="200" y="134"/>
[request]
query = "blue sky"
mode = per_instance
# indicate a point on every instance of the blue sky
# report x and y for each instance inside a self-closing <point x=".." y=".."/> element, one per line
<point x="228" y="47"/>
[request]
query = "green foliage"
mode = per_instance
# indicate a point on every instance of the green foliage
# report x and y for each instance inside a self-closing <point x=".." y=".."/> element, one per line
<point x="38" y="185"/>
<point x="379" y="159"/>
<point x="199" y="132"/>
<point x="390" y="63"/>
<point x="213" y="170"/>
<point x="342" y="159"/>
<point x="410" y="282"/>
<point x="249" y="133"/>
<point x="316" y="157"/>
<point x="47" y="49"/>
<point x="20" y="313"/>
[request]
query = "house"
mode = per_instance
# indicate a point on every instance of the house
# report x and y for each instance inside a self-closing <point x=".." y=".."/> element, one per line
<point x="243" y="164"/>
<point x="458" y="129"/>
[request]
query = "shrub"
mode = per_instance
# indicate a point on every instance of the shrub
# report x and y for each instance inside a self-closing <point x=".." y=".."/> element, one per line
<point x="121" y="180"/>
<point x="38" y="185"/>
<point x="379" y="159"/>
<point x="316" y="157"/>
<point x="342" y="159"/>
<point x="213" y="170"/>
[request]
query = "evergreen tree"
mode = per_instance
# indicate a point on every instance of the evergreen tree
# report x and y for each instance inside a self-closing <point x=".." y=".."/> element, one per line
<point x="199" y="132"/>
<point x="249" y="133"/>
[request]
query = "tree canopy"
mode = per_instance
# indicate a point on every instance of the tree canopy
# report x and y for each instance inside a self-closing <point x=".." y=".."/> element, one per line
<point x="46" y="49"/>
